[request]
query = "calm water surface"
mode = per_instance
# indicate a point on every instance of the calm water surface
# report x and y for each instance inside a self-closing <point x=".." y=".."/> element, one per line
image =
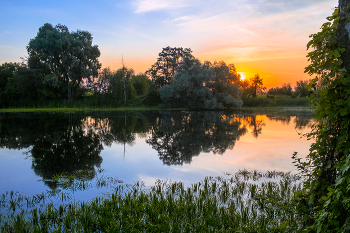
<point x="144" y="146"/>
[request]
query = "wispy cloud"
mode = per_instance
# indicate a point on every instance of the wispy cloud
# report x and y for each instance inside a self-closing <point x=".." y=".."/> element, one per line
<point x="142" y="6"/>
<point x="182" y="19"/>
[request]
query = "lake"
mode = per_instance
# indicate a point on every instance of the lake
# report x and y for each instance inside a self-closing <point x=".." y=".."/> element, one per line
<point x="144" y="146"/>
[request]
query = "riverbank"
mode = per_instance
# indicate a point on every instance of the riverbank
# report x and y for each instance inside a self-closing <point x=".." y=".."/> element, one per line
<point x="259" y="103"/>
<point x="144" y="108"/>
<point x="80" y="109"/>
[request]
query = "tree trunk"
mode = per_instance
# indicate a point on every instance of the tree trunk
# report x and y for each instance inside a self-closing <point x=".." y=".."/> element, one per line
<point x="343" y="30"/>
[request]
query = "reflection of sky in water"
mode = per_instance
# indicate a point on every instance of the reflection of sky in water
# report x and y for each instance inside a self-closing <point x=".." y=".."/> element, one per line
<point x="16" y="173"/>
<point x="271" y="150"/>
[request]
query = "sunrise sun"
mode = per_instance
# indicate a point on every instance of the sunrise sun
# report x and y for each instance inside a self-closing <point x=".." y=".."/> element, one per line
<point x="243" y="76"/>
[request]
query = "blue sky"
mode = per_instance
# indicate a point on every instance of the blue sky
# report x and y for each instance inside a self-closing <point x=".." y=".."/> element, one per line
<point x="259" y="36"/>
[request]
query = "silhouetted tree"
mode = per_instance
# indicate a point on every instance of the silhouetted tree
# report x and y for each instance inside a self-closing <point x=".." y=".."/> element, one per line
<point x="286" y="89"/>
<point x="256" y="85"/>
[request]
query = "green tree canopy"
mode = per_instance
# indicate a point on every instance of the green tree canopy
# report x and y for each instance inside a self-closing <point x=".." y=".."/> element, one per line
<point x="168" y="61"/>
<point x="202" y="86"/>
<point x="18" y="83"/>
<point x="225" y="86"/>
<point x="63" y="58"/>
<point x="116" y="85"/>
<point x="141" y="83"/>
<point x="188" y="88"/>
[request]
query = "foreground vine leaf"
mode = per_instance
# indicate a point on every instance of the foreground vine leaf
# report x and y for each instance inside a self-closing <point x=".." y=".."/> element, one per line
<point x="325" y="200"/>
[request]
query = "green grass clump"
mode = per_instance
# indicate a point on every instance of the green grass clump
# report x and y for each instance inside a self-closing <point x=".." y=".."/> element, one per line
<point x="241" y="202"/>
<point x="277" y="101"/>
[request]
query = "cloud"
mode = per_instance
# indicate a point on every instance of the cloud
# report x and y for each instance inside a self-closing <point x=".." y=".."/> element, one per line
<point x="156" y="5"/>
<point x="266" y="7"/>
<point x="181" y="19"/>
<point x="252" y="53"/>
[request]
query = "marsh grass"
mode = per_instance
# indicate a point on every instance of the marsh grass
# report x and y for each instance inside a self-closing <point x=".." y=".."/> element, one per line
<point x="247" y="201"/>
<point x="82" y="104"/>
<point x="277" y="101"/>
<point x="69" y="110"/>
<point x="134" y="105"/>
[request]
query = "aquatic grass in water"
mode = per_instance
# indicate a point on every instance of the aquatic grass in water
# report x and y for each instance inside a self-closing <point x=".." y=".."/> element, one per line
<point x="241" y="202"/>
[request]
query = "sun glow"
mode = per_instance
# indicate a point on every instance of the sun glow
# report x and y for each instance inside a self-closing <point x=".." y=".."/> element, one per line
<point x="243" y="75"/>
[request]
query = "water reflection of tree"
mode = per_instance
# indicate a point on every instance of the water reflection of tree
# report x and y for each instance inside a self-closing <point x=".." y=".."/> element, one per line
<point x="78" y="147"/>
<point x="20" y="131"/>
<point x="299" y="119"/>
<point x="256" y="123"/>
<point x="57" y="143"/>
<point x="179" y="136"/>
<point x="71" y="151"/>
<point x="120" y="128"/>
<point x="303" y="121"/>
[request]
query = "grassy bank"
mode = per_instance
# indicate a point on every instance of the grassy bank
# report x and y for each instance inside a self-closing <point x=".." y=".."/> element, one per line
<point x="262" y="102"/>
<point x="241" y="202"/>
<point x="138" y="109"/>
<point x="275" y="101"/>
<point x="145" y="108"/>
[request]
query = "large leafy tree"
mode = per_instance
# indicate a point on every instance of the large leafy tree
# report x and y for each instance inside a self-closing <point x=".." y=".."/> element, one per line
<point x="225" y="86"/>
<point x="63" y="58"/>
<point x="164" y="69"/>
<point x="189" y="87"/>
<point x="325" y="202"/>
<point x="202" y="86"/>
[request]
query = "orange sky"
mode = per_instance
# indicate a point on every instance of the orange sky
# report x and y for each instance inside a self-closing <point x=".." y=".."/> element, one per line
<point x="273" y="71"/>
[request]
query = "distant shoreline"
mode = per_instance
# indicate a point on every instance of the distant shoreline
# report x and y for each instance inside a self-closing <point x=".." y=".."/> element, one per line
<point x="306" y="109"/>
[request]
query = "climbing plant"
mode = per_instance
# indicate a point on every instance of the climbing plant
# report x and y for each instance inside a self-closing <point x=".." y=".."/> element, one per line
<point x="324" y="202"/>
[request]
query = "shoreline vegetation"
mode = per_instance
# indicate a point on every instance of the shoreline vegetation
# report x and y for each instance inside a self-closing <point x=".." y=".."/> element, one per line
<point x="261" y="102"/>
<point x="246" y="201"/>
<point x="145" y="109"/>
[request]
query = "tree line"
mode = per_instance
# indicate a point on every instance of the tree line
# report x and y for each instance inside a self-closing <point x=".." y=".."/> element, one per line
<point x="63" y="65"/>
<point x="300" y="90"/>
